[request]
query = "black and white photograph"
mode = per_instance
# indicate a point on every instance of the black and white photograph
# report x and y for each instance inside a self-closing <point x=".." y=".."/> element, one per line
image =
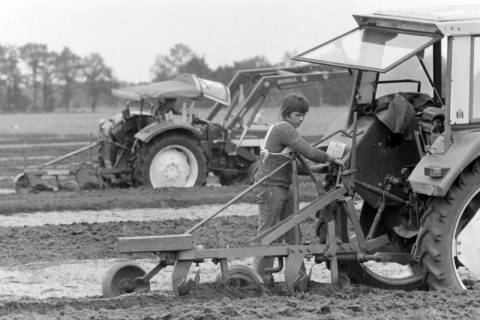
<point x="239" y="159"/>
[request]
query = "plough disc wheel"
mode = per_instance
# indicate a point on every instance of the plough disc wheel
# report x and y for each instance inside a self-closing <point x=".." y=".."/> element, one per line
<point x="124" y="278"/>
<point x="70" y="185"/>
<point x="243" y="278"/>
<point x="22" y="184"/>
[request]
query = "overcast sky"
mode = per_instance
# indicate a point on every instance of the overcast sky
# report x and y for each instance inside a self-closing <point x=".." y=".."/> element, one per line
<point x="129" y="34"/>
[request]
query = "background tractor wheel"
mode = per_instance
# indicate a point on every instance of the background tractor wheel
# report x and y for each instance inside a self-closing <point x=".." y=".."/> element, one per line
<point x="243" y="278"/>
<point x="171" y="161"/>
<point x="448" y="239"/>
<point x="121" y="279"/>
<point x="383" y="275"/>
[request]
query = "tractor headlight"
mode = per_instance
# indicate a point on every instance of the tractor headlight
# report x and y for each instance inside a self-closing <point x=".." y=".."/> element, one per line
<point x="438" y="146"/>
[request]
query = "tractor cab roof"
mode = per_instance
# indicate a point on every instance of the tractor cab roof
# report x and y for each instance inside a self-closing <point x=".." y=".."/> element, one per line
<point x="447" y="20"/>
<point x="383" y="40"/>
<point x="183" y="86"/>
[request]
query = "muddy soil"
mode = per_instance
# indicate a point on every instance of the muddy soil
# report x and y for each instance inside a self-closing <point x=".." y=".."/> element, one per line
<point x="38" y="257"/>
<point x="132" y="198"/>
<point x="210" y="301"/>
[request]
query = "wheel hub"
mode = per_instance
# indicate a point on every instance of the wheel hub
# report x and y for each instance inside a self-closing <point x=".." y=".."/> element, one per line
<point x="170" y="168"/>
<point x="171" y="171"/>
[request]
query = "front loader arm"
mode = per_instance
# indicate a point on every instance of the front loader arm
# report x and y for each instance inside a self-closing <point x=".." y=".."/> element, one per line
<point x="246" y="79"/>
<point x="283" y="81"/>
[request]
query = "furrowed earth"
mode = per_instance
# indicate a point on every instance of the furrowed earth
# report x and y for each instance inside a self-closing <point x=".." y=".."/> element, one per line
<point x="55" y="249"/>
<point x="52" y="264"/>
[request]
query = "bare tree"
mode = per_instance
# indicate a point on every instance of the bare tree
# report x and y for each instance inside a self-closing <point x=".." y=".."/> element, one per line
<point x="98" y="77"/>
<point x="197" y="66"/>
<point x="68" y="65"/>
<point x="33" y="54"/>
<point x="166" y="66"/>
<point x="14" y="100"/>
<point x="48" y="68"/>
<point x="287" y="59"/>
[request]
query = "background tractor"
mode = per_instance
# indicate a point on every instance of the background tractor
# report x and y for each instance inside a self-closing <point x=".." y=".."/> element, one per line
<point x="159" y="141"/>
<point x="181" y="150"/>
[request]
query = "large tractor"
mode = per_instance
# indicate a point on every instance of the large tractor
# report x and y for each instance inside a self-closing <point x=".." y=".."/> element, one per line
<point x="409" y="147"/>
<point x="416" y="153"/>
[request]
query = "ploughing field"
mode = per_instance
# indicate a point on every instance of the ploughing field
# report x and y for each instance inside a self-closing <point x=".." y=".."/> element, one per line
<point x="55" y="249"/>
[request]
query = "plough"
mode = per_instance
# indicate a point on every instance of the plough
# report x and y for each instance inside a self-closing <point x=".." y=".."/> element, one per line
<point x="181" y="251"/>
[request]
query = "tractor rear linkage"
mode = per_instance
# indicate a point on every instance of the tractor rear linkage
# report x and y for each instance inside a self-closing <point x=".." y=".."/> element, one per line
<point x="181" y="252"/>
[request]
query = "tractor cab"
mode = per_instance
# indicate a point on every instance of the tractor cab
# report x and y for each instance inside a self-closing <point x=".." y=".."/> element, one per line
<point x="421" y="66"/>
<point x="412" y="129"/>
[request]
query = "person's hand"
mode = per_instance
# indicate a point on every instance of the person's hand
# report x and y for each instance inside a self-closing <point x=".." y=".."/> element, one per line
<point x="319" y="168"/>
<point x="335" y="161"/>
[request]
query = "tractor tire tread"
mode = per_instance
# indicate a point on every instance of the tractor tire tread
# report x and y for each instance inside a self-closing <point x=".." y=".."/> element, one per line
<point x="436" y="227"/>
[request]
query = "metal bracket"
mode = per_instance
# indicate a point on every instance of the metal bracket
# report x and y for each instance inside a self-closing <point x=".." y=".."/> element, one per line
<point x="331" y="253"/>
<point x="295" y="280"/>
<point x="180" y="284"/>
<point x="161" y="264"/>
<point x="224" y="270"/>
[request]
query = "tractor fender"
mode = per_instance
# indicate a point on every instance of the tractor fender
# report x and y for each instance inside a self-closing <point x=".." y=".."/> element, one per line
<point x="462" y="152"/>
<point x="156" y="128"/>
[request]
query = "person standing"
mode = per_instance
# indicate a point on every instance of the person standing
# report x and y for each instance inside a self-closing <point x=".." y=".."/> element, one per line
<point x="274" y="195"/>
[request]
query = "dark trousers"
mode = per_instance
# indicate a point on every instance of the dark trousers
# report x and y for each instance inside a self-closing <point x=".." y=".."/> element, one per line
<point x="275" y="203"/>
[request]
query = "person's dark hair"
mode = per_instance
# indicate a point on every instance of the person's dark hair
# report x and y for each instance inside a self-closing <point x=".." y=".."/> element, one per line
<point x="294" y="103"/>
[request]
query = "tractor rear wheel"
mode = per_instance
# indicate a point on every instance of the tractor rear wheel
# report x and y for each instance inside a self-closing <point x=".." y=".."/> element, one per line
<point x="448" y="240"/>
<point x="383" y="275"/>
<point x="175" y="160"/>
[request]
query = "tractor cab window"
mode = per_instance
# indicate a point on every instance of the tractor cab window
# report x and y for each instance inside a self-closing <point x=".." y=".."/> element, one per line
<point x="374" y="49"/>
<point x="407" y="77"/>
<point x="476" y="78"/>
<point x="464" y="85"/>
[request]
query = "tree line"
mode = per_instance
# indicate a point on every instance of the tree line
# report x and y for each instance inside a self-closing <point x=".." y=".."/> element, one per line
<point x="34" y="78"/>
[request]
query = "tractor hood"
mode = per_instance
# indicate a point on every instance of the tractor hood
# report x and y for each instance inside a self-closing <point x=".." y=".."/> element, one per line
<point x="183" y="86"/>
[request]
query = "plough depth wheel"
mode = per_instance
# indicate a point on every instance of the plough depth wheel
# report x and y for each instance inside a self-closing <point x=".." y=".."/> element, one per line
<point x="243" y="278"/>
<point x="124" y="278"/>
<point x="21" y="184"/>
